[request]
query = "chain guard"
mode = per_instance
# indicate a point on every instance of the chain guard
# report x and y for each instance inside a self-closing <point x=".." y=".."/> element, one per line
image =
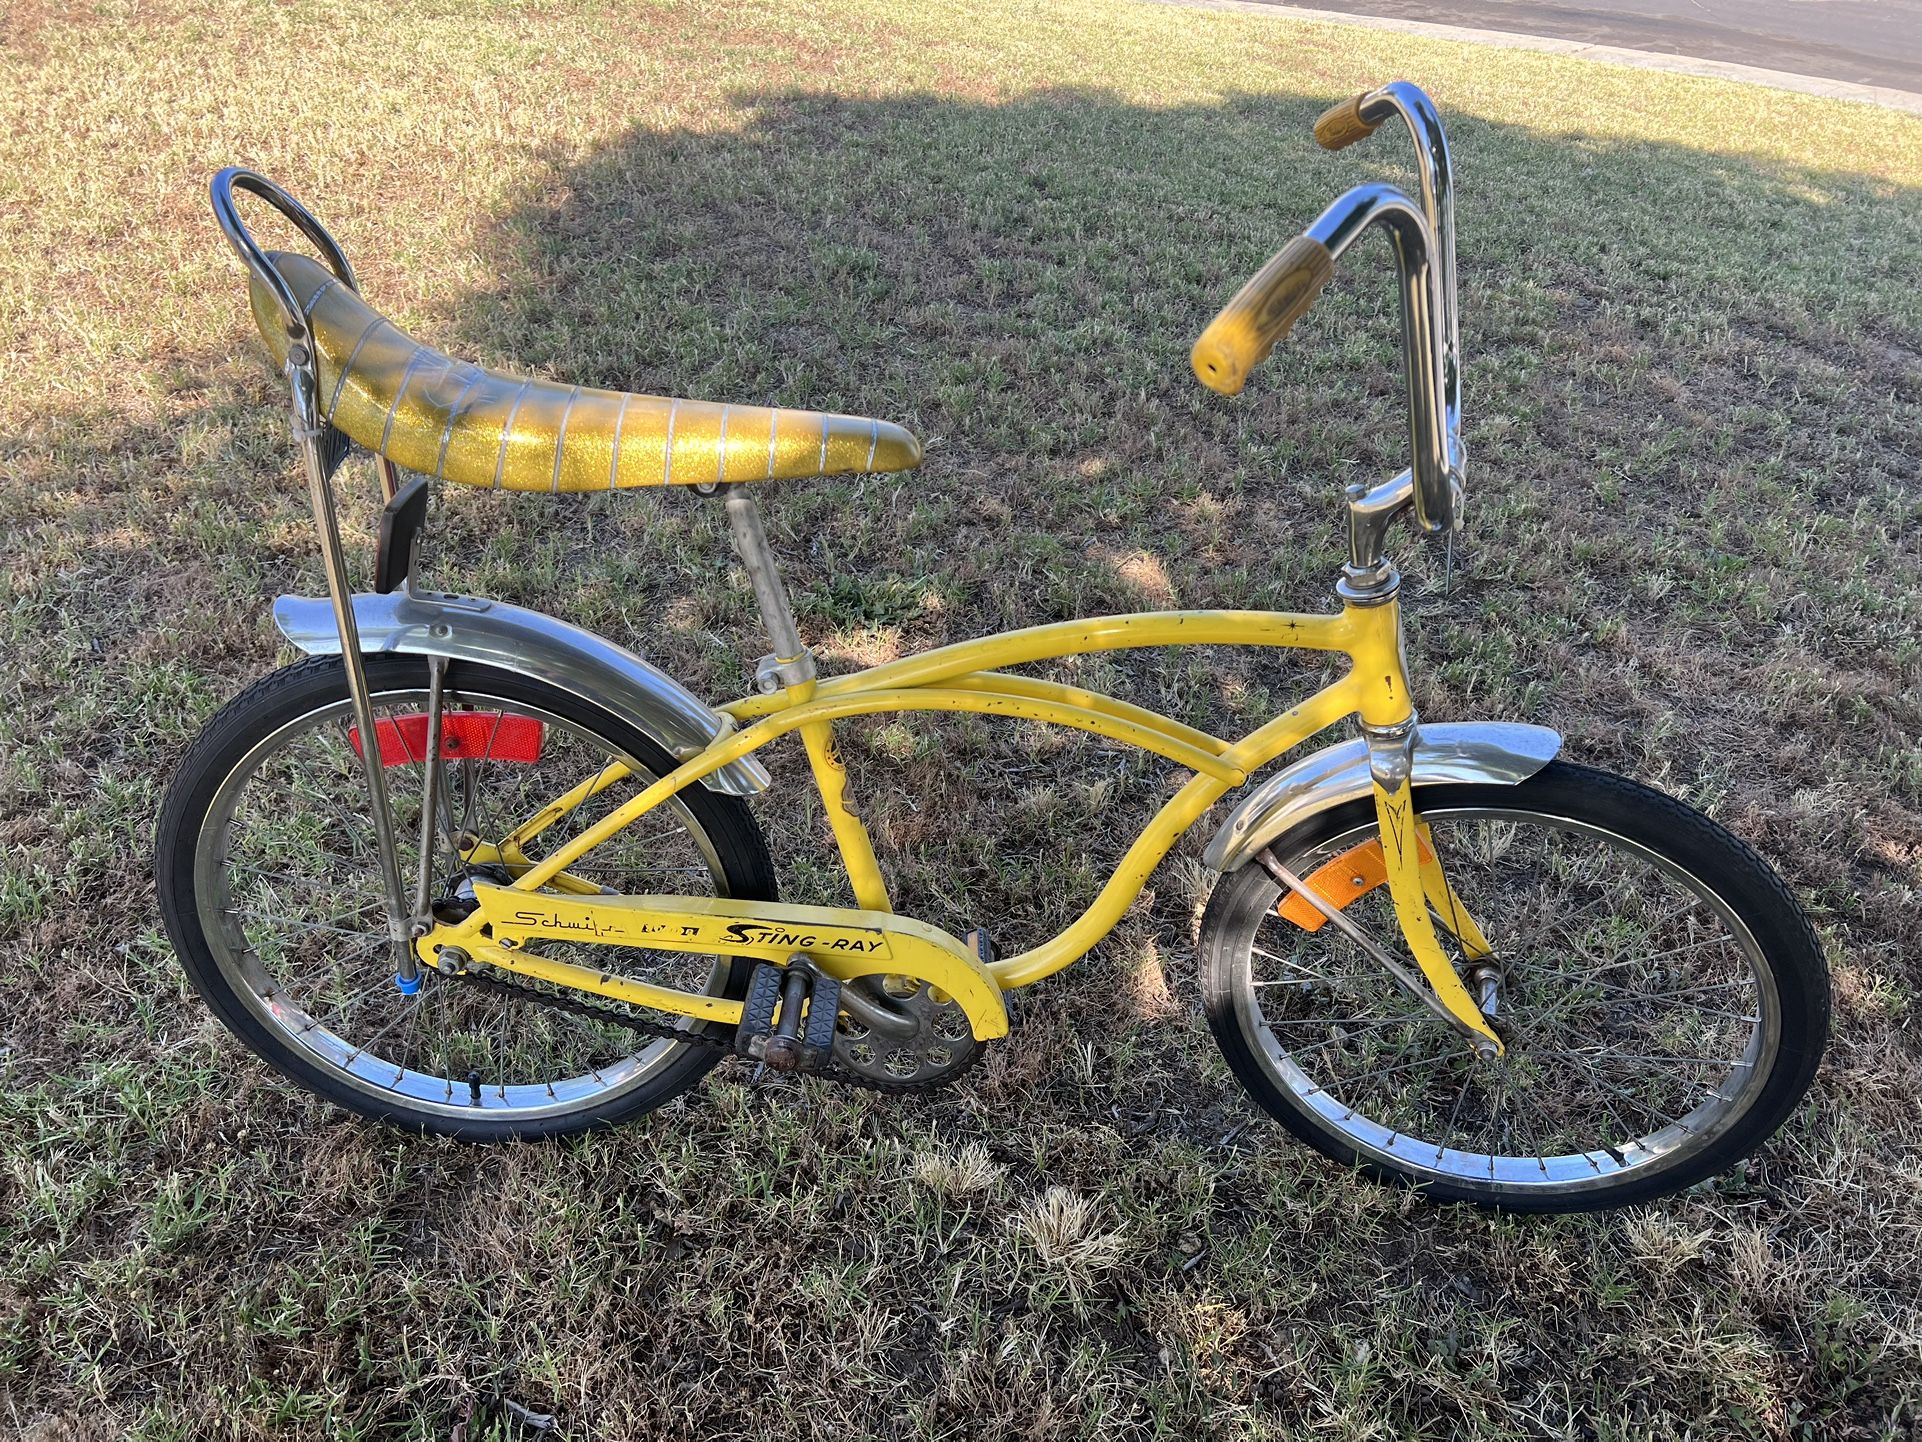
<point x="723" y="1038"/>
<point x="941" y="1048"/>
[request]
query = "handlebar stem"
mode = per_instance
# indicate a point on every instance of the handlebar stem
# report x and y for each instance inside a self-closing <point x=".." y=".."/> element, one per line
<point x="1340" y="226"/>
<point x="1369" y="577"/>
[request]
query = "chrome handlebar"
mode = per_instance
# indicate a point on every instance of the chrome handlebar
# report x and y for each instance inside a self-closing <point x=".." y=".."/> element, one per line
<point x="1424" y="245"/>
<point x="1437" y="186"/>
<point x="1430" y="434"/>
<point x="1422" y="237"/>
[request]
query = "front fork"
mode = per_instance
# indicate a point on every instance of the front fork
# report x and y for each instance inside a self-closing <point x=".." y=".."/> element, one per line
<point x="1369" y="587"/>
<point x="1415" y="880"/>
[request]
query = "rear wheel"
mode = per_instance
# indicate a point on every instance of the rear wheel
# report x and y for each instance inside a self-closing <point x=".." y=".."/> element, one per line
<point x="1662" y="998"/>
<point x="272" y="897"/>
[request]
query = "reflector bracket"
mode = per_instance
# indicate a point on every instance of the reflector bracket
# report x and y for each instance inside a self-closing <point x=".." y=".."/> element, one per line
<point x="1341" y="882"/>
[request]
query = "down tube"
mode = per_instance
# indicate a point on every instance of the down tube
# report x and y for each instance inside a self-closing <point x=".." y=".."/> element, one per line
<point x="1184" y="808"/>
<point x="822" y="710"/>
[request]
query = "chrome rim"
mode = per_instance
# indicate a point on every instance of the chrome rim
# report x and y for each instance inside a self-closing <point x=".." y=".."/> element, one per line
<point x="288" y="895"/>
<point x="1640" y="1018"/>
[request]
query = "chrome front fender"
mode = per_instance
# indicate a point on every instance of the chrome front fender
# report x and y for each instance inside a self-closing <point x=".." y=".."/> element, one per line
<point x="462" y="628"/>
<point x="1498" y="752"/>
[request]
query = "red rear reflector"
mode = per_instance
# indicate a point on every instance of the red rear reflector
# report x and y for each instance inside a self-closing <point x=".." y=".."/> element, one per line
<point x="464" y="736"/>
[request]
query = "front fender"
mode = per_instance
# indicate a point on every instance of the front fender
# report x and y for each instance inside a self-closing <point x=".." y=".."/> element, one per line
<point x="1497" y="752"/>
<point x="511" y="638"/>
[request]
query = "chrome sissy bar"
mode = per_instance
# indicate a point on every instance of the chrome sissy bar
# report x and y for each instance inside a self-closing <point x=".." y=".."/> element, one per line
<point x="322" y="450"/>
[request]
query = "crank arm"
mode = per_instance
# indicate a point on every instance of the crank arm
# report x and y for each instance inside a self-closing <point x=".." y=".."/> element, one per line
<point x="873" y="1010"/>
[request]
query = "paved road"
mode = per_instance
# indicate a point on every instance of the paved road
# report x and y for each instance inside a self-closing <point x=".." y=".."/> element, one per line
<point x="1869" y="42"/>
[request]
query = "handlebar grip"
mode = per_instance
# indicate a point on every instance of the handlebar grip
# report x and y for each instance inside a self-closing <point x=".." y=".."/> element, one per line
<point x="1341" y="125"/>
<point x="1262" y="312"/>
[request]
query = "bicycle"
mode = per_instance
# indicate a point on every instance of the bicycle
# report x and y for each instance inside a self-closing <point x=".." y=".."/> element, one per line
<point x="474" y="871"/>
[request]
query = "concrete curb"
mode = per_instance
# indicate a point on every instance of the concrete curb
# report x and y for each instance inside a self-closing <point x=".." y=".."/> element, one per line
<point x="1609" y="54"/>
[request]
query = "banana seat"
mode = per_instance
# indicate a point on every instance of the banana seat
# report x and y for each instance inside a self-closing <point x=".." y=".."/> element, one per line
<point x="429" y="413"/>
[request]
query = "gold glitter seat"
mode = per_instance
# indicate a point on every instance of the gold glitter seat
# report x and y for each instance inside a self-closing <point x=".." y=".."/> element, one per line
<point x="429" y="413"/>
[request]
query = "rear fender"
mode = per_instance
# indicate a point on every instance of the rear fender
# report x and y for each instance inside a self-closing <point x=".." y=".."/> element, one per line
<point x="511" y="638"/>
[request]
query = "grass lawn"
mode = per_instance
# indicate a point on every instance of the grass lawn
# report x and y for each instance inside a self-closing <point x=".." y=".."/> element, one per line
<point x="1694" y="337"/>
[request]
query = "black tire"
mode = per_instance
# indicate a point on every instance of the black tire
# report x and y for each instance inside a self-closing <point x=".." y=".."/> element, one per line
<point x="281" y="699"/>
<point x="1612" y="807"/>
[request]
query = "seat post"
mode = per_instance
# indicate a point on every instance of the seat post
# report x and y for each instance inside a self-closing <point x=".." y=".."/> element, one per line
<point x="791" y="664"/>
<point x="791" y="667"/>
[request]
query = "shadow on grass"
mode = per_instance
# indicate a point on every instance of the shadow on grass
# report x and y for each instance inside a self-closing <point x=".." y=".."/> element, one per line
<point x="1692" y="388"/>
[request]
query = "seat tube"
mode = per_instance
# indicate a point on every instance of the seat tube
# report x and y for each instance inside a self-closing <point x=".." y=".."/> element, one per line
<point x="850" y="831"/>
<point x="791" y="667"/>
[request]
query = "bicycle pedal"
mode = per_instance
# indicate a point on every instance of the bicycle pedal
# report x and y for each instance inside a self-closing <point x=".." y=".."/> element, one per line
<point x="789" y="1017"/>
<point x="757" y="1010"/>
<point x="978" y="941"/>
<point x="823" y="1021"/>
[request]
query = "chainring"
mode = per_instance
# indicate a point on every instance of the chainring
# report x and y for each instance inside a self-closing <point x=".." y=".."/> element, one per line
<point x="941" y="1047"/>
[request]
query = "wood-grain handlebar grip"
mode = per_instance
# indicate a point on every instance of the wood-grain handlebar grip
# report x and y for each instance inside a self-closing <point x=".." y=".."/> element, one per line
<point x="1342" y="125"/>
<point x="1262" y="312"/>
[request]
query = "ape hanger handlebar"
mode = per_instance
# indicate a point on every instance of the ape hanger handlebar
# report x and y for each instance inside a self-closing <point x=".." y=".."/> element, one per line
<point x="1356" y="119"/>
<point x="1422" y="239"/>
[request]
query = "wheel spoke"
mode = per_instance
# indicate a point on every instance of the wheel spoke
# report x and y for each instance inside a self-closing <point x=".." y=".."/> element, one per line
<point x="1603" y="1054"/>
<point x="1454" y="1114"/>
<point x="331" y="924"/>
<point x="408" y="1006"/>
<point x="338" y="1013"/>
<point x="1301" y="976"/>
<point x="1429" y="1061"/>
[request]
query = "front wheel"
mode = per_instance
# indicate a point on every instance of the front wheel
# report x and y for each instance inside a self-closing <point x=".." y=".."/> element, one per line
<point x="1662" y="997"/>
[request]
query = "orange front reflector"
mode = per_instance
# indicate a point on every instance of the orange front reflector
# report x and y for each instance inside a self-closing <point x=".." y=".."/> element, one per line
<point x="1340" y="883"/>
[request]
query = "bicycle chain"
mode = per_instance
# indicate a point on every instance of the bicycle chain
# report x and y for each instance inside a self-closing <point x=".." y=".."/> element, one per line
<point x="722" y="1041"/>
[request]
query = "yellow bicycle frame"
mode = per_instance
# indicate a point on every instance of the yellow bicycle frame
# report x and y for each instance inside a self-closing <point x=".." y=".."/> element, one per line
<point x="572" y="439"/>
<point x="964" y="677"/>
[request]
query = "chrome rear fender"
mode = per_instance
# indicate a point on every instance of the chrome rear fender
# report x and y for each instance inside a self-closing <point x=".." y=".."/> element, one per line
<point x="511" y="638"/>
